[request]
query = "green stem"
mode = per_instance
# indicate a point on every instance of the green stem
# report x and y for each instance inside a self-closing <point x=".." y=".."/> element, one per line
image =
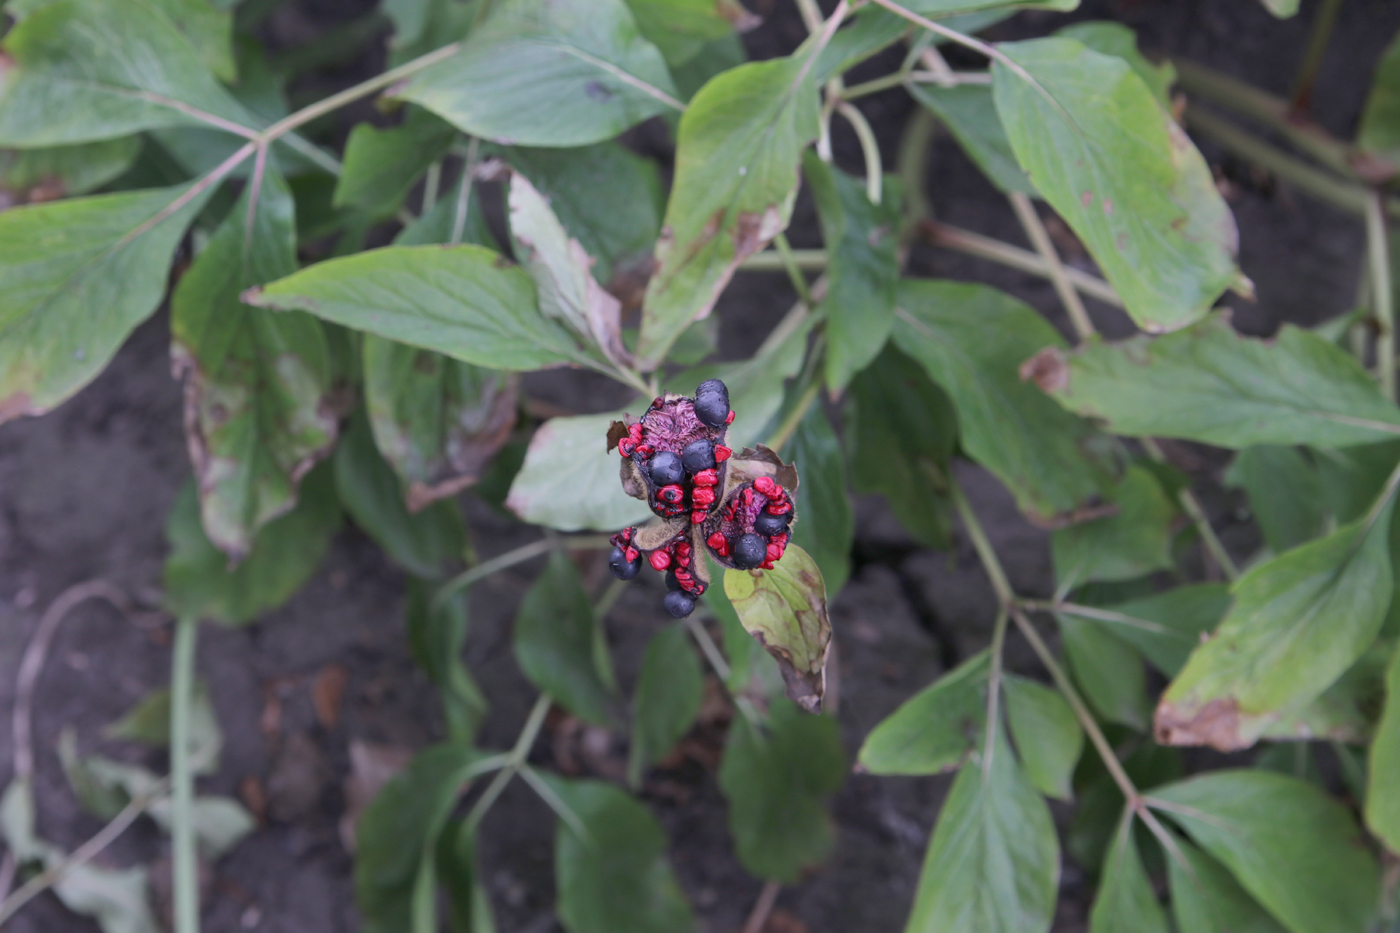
<point x="510" y="558"/>
<point x="775" y="260"/>
<point x="708" y="647"/>
<point x="513" y="762"/>
<point x="1193" y="508"/>
<point x="1301" y="97"/>
<point x="1040" y="239"/>
<point x="794" y="418"/>
<point x="910" y="162"/>
<point x="982" y="545"/>
<point x="985" y="247"/>
<point x="874" y="86"/>
<point x="182" y="835"/>
<point x="1382" y="296"/>
<point x="799" y="284"/>
<point x="870" y="149"/>
<point x="994" y="691"/>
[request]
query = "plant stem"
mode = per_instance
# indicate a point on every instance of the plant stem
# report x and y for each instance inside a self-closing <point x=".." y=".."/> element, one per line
<point x="985" y="247"/>
<point x="799" y="411"/>
<point x="799" y="284"/>
<point x="910" y="162"/>
<point x="431" y="182"/>
<point x="758" y="917"/>
<point x="773" y="260"/>
<point x="510" y="558"/>
<point x="989" y="742"/>
<point x="869" y="147"/>
<point x="1382" y="296"/>
<point x="1040" y="238"/>
<point x="980" y="543"/>
<point x="874" y="86"/>
<point x="1102" y="615"/>
<point x="1319" y="184"/>
<point x="708" y="647"/>
<point x="1301" y="97"/>
<point x="514" y="759"/>
<point x="1193" y="508"/>
<point x="185" y="856"/>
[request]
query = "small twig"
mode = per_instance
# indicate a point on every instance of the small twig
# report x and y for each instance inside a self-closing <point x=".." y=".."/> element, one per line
<point x="185" y="856"/>
<point x="512" y="762"/>
<point x="1006" y="597"/>
<point x="1040" y="239"/>
<point x="1382" y="298"/>
<point x="762" y="907"/>
<point x="1301" y="97"/>
<point x="510" y="558"/>
<point x="794" y="273"/>
<point x="1193" y="508"/>
<point x="773" y="260"/>
<point x="708" y="647"/>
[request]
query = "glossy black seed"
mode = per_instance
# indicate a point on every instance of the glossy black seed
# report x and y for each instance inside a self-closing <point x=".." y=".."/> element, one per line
<point x="769" y="524"/>
<point x="617" y="563"/>
<point x="671" y="582"/>
<point x="666" y="468"/>
<point x="749" y="551"/>
<point x="712" y="403"/>
<point x="698" y="455"/>
<point x="678" y="604"/>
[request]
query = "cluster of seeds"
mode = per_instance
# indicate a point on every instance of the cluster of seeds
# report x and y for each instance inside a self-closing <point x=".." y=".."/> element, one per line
<point x="675" y="457"/>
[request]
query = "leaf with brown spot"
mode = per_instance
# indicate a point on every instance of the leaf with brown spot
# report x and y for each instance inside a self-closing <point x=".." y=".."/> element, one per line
<point x="785" y="609"/>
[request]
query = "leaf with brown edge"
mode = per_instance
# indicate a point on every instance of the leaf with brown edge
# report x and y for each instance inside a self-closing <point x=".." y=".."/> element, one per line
<point x="785" y="609"/>
<point x="438" y="421"/>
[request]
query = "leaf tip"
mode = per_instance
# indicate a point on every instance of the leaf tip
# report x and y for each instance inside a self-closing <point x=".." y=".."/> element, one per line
<point x="1217" y="724"/>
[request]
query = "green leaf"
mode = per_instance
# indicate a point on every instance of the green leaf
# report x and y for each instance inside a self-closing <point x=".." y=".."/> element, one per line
<point x="1125" y="902"/>
<point x="1208" y="899"/>
<point x="1047" y="736"/>
<point x="1165" y="626"/>
<point x="569" y="480"/>
<point x="199" y="582"/>
<point x="968" y="112"/>
<point x="1379" y="130"/>
<point x="905" y="431"/>
<point x="382" y="165"/>
<point x="83" y="70"/>
<point x="935" y="729"/>
<point x="63" y="171"/>
<point x="609" y="198"/>
<point x="1114" y="164"/>
<point x="827" y="527"/>
<point x="1353" y="476"/>
<point x="464" y="301"/>
<point x="667" y="700"/>
<point x="737" y="154"/>
<point x="785" y="609"/>
<point x="681" y="28"/>
<point x="615" y="876"/>
<point x="397" y="837"/>
<point x="862" y="273"/>
<point x="1283" y="9"/>
<point x="590" y="75"/>
<point x="993" y="863"/>
<point x="1134" y="542"/>
<point x="427" y="543"/>
<point x="1117" y="39"/>
<point x="437" y="635"/>
<point x="1210" y="384"/>
<point x="258" y="406"/>
<point x="1109" y="672"/>
<point x="752" y="671"/>
<point x="1347" y="710"/>
<point x="148" y="722"/>
<point x="438" y="422"/>
<point x="776" y="780"/>
<point x="1290" y="845"/>
<point x="1285" y="493"/>
<point x="554" y="643"/>
<point x="865" y="32"/>
<point x="1299" y="620"/>
<point x="80" y="275"/>
<point x="972" y="341"/>
<point x="561" y="268"/>
<point x="713" y="59"/>
<point x="469" y="902"/>
<point x="1383" y="773"/>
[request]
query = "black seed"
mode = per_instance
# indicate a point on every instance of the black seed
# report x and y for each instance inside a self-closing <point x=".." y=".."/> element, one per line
<point x="712" y="403"/>
<point x="671" y="582"/>
<point x="749" y="551"/>
<point x="698" y="455"/>
<point x="769" y="524"/>
<point x="678" y="604"/>
<point x="617" y="563"/>
<point x="666" y="468"/>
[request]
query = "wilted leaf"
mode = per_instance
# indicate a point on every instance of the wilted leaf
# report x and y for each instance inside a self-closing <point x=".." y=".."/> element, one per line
<point x="1285" y="494"/>
<point x="83" y="274"/>
<point x="381" y="165"/>
<point x="1113" y="163"/>
<point x="1208" y="899"/>
<point x="258" y="407"/>
<point x="1299" y="620"/>
<point x="569" y="480"/>
<point x="1047" y="735"/>
<point x="615" y="875"/>
<point x="567" y="73"/>
<point x="83" y="70"/>
<point x="971" y="116"/>
<point x="464" y="301"/>
<point x="554" y="642"/>
<point x="776" y="780"/>
<point x="736" y="178"/>
<point x="669" y="691"/>
<point x="972" y="340"/>
<point x="826" y="529"/>
<point x="1289" y="844"/>
<point x="935" y="729"/>
<point x="785" y="609"/>
<point x="199" y="582"/>
<point x="427" y="543"/>
<point x="1210" y="384"/>
<point x="1134" y="542"/>
<point x="993" y="863"/>
<point x="862" y="272"/>
<point x="437" y="634"/>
